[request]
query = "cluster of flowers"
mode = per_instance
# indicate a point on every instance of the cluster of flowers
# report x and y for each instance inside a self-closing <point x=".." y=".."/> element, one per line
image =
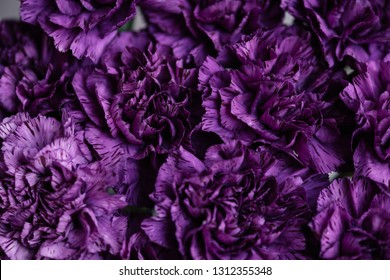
<point x="220" y="130"/>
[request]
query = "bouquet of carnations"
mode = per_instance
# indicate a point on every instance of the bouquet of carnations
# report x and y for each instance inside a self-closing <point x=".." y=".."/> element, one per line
<point x="216" y="129"/>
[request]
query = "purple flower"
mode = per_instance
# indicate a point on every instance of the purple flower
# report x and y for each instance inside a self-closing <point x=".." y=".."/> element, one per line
<point x="199" y="28"/>
<point x="143" y="100"/>
<point x="85" y="27"/>
<point x="274" y="95"/>
<point x="227" y="207"/>
<point x="32" y="72"/>
<point x="151" y="116"/>
<point x="359" y="29"/>
<point x="53" y="202"/>
<point x="369" y="98"/>
<point x="353" y="221"/>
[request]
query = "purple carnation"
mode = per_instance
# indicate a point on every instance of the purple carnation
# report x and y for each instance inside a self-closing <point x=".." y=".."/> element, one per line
<point x="274" y="96"/>
<point x="227" y="207"/>
<point x="54" y="202"/>
<point x="32" y="71"/>
<point x="143" y="99"/>
<point x="151" y="116"/>
<point x="353" y="221"/>
<point x="85" y="27"/>
<point x="369" y="98"/>
<point x="359" y="29"/>
<point x="199" y="28"/>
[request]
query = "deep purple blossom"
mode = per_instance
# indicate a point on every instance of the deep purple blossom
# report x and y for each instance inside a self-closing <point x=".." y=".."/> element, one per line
<point x="84" y="26"/>
<point x="369" y="98"/>
<point x="32" y="72"/>
<point x="226" y="207"/>
<point x="142" y="99"/>
<point x="353" y="221"/>
<point x="54" y="202"/>
<point x="151" y="116"/>
<point x="274" y="96"/>
<point x="358" y="29"/>
<point x="199" y="28"/>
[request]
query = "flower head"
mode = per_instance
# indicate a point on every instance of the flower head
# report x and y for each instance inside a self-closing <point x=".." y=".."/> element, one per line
<point x="358" y="29"/>
<point x="226" y="207"/>
<point x="274" y="95"/>
<point x="142" y="99"/>
<point x="33" y="73"/>
<point x="54" y="202"/>
<point x="353" y="221"/>
<point x="85" y="27"/>
<point x="369" y="98"/>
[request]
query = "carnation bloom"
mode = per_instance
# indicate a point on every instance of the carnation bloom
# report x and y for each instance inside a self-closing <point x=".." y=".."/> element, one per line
<point x="85" y="27"/>
<point x="274" y="95"/>
<point x="141" y="99"/>
<point x="53" y="202"/>
<point x="201" y="27"/>
<point x="227" y="207"/>
<point x="369" y="98"/>
<point x="353" y="221"/>
<point x="359" y="29"/>
<point x="32" y="71"/>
